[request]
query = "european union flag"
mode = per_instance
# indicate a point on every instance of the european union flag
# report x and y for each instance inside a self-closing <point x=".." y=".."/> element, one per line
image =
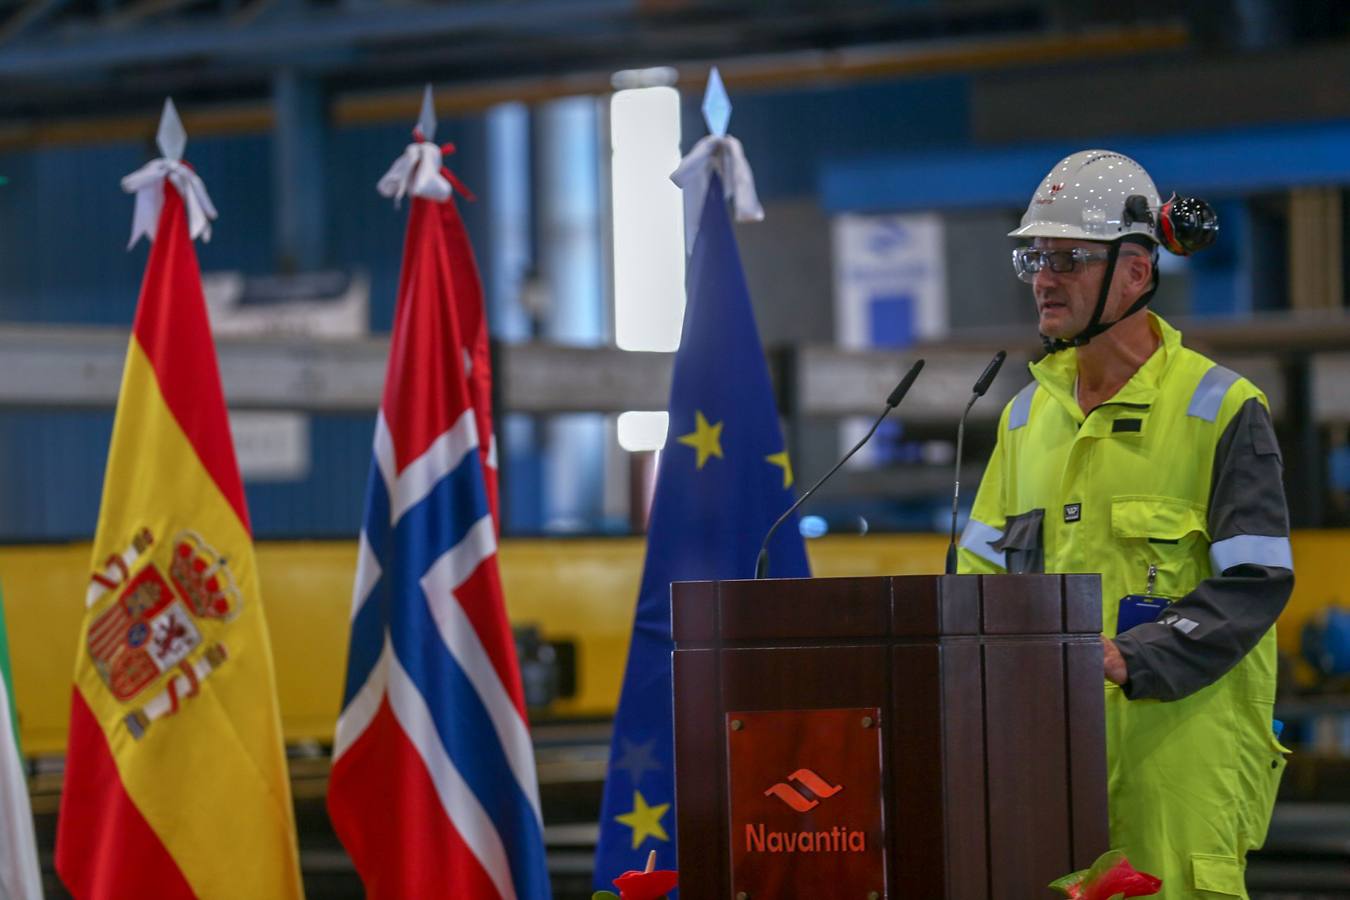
<point x="724" y="478"/>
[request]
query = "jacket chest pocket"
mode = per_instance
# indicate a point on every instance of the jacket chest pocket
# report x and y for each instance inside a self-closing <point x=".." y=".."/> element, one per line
<point x="1023" y="543"/>
<point x="1163" y="535"/>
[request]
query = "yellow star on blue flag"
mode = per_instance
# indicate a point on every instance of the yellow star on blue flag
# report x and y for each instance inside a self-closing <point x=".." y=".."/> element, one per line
<point x="705" y="439"/>
<point x="645" y="820"/>
<point x="781" y="460"/>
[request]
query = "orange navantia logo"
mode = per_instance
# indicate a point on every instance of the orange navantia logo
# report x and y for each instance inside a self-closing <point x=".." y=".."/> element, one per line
<point x="798" y="801"/>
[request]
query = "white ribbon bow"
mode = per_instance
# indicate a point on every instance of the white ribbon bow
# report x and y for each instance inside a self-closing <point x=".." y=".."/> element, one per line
<point x="147" y="183"/>
<point x="416" y="172"/>
<point x="724" y="155"/>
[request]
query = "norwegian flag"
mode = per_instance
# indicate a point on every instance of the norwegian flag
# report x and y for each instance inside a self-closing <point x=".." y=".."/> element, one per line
<point x="433" y="788"/>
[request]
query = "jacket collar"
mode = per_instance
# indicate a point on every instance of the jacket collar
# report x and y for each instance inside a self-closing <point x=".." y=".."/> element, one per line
<point x="1057" y="372"/>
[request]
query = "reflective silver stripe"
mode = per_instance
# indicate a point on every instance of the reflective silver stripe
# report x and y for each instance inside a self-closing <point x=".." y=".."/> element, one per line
<point x="1021" y="407"/>
<point x="1185" y="626"/>
<point x="1256" y="549"/>
<point x="978" y="536"/>
<point x="1208" y="396"/>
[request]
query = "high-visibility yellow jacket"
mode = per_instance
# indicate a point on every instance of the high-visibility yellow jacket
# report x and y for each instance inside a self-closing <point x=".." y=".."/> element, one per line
<point x="1173" y="487"/>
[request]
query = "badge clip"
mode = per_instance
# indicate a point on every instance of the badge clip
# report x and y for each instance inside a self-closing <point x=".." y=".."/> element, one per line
<point x="1137" y="609"/>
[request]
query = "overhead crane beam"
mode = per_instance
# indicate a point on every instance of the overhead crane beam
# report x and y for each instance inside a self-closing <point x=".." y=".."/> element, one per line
<point x="68" y="367"/>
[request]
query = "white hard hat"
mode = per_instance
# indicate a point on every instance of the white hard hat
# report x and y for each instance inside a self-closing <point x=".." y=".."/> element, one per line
<point x="1084" y="198"/>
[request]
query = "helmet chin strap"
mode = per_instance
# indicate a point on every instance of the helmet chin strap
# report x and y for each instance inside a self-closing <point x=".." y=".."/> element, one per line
<point x="1096" y="326"/>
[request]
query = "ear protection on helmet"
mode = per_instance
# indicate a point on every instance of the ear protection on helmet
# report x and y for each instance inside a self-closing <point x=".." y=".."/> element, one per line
<point x="1183" y="225"/>
<point x="1187" y="224"/>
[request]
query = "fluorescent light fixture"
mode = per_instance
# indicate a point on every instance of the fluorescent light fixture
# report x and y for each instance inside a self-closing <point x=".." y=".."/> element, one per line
<point x="643" y="430"/>
<point x="657" y="76"/>
<point x="648" y="219"/>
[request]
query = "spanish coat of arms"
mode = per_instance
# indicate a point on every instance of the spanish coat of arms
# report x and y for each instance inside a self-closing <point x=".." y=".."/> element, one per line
<point x="153" y="627"/>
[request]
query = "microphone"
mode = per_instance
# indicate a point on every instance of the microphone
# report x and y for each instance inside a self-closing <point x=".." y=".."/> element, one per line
<point x="892" y="401"/>
<point x="981" y="385"/>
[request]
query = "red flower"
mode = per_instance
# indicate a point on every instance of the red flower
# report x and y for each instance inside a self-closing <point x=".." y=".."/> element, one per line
<point x="1124" y="879"/>
<point x="645" y="885"/>
<point x="1111" y="876"/>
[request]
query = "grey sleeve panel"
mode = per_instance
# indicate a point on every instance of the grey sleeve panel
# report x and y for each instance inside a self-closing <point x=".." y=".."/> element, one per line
<point x="1247" y="491"/>
<point x="1207" y="632"/>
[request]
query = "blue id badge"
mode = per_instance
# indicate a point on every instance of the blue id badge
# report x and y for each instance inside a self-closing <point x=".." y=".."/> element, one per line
<point x="1137" y="609"/>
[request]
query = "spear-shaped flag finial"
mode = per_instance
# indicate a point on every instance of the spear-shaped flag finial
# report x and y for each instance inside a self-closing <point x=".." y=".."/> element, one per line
<point x="426" y="120"/>
<point x="418" y="170"/>
<point x="147" y="183"/>
<point x="716" y="105"/>
<point x="720" y="154"/>
<point x="171" y="137"/>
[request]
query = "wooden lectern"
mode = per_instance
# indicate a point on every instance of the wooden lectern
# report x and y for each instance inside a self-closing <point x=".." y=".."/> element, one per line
<point x="918" y="737"/>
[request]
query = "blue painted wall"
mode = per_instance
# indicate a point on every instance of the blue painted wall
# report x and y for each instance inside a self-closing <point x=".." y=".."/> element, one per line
<point x="52" y="464"/>
<point x="65" y="218"/>
<point x="790" y="135"/>
<point x="51" y="473"/>
<point x="329" y="502"/>
<point x="1211" y="164"/>
<point x="904" y="145"/>
<point x="63" y="260"/>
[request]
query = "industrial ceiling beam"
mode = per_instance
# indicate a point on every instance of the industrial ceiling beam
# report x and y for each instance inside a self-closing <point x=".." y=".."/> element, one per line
<point x="27" y="17"/>
<point x="284" y="36"/>
<point x="749" y="72"/>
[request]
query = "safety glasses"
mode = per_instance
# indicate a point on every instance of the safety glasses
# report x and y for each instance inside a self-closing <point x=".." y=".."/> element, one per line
<point x="1027" y="261"/>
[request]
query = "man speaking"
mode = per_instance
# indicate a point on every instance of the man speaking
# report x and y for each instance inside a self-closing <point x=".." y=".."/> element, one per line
<point x="1133" y="456"/>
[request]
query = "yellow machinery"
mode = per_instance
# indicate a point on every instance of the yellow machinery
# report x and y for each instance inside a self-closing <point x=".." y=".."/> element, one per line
<point x="571" y="590"/>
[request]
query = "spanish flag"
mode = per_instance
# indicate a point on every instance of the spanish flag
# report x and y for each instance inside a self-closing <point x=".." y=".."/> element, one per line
<point x="176" y="782"/>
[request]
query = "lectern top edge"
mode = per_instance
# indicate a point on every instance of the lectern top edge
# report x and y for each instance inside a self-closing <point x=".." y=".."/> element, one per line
<point x="884" y="607"/>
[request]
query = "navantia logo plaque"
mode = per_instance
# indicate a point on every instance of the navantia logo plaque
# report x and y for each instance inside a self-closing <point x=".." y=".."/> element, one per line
<point x="806" y="808"/>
